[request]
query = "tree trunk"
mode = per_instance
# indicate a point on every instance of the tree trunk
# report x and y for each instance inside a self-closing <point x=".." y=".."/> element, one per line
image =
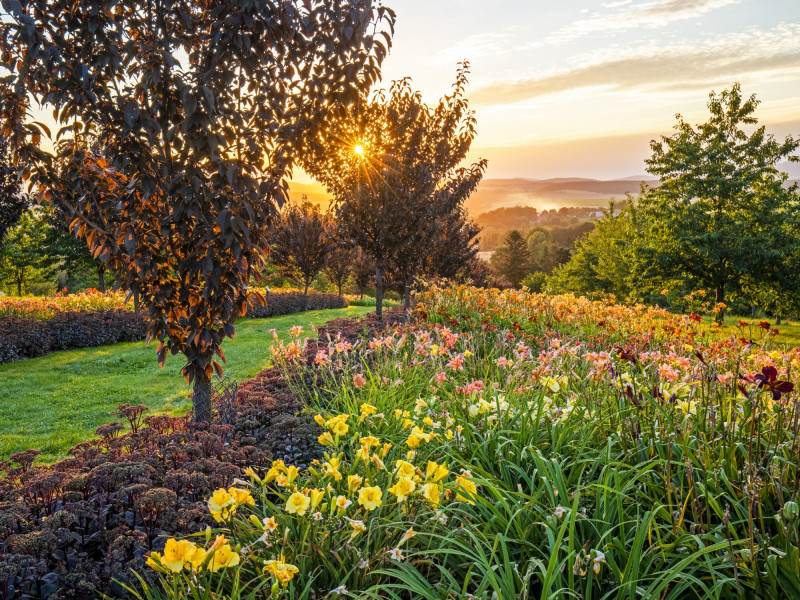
<point x="777" y="318"/>
<point x="101" y="277"/>
<point x="135" y="301"/>
<point x="753" y="310"/>
<point x="720" y="297"/>
<point x="305" y="298"/>
<point x="379" y="290"/>
<point x="340" y="290"/>
<point x="202" y="398"/>
<point x="19" y="286"/>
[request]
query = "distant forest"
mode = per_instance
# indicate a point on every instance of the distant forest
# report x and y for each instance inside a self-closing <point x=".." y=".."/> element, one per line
<point x="564" y="225"/>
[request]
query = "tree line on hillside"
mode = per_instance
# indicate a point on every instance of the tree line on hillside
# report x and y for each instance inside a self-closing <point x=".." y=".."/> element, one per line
<point x="498" y="223"/>
<point x="536" y="251"/>
<point x="178" y="130"/>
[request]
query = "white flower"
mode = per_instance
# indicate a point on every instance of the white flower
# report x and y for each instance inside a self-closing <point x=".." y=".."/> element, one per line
<point x="396" y="554"/>
<point x="363" y="564"/>
<point x="598" y="560"/>
<point x="340" y="591"/>
<point x="317" y="516"/>
<point x="559" y="512"/>
<point x="440" y="516"/>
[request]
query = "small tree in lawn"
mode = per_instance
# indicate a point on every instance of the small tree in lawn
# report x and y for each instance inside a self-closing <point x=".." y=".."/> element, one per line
<point x="301" y="243"/>
<point x="363" y="270"/>
<point x="454" y="250"/>
<point x="339" y="265"/>
<point x="392" y="165"/>
<point x="721" y="213"/>
<point x="180" y="121"/>
<point x="13" y="201"/>
<point x="512" y="260"/>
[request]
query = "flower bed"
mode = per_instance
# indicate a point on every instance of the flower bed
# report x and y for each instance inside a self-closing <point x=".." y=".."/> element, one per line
<point x="44" y="308"/>
<point x="74" y="527"/>
<point x="510" y="445"/>
<point x="32" y="327"/>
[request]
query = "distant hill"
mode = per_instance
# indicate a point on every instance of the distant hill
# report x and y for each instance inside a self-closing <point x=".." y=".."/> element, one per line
<point x="548" y="194"/>
<point x="541" y="194"/>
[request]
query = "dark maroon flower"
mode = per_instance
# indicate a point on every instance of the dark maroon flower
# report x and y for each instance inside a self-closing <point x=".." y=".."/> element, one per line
<point x="627" y="355"/>
<point x="767" y="380"/>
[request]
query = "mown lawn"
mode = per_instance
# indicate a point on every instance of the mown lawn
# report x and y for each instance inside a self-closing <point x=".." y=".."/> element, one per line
<point x="787" y="338"/>
<point x="53" y="402"/>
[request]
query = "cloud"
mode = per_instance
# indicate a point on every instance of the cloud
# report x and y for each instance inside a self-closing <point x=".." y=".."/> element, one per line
<point x="676" y="67"/>
<point x="474" y="46"/>
<point x="649" y="14"/>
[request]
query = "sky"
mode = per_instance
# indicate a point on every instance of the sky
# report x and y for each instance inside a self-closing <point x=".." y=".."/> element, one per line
<point x="578" y="87"/>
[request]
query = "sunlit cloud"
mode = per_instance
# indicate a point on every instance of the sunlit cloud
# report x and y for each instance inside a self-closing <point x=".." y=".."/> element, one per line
<point x="476" y="46"/>
<point x="679" y="66"/>
<point x="657" y="14"/>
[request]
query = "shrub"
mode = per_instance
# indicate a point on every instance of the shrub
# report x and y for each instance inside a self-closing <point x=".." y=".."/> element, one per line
<point x="29" y="337"/>
<point x="535" y="282"/>
<point x="286" y="303"/>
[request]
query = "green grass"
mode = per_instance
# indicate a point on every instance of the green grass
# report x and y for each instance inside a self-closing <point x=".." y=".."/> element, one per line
<point x="787" y="338"/>
<point x="367" y="301"/>
<point x="53" y="402"/>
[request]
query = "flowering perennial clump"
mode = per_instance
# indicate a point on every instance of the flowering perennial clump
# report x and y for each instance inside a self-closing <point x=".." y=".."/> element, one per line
<point x="517" y="445"/>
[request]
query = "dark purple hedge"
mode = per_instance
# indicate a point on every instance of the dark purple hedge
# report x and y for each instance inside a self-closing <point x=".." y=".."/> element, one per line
<point x="29" y="338"/>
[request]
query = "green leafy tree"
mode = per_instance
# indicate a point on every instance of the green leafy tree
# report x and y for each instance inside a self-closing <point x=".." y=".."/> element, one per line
<point x="540" y="245"/>
<point x="721" y="213"/>
<point x="605" y="260"/>
<point x="13" y="202"/>
<point x="535" y="282"/>
<point x="513" y="259"/>
<point x="74" y="256"/>
<point x="179" y="124"/>
<point x="24" y="255"/>
<point x="391" y="164"/>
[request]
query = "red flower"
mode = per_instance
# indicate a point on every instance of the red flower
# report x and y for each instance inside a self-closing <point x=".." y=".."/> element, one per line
<point x="767" y="380"/>
<point x="763" y="324"/>
<point x="695" y="317"/>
